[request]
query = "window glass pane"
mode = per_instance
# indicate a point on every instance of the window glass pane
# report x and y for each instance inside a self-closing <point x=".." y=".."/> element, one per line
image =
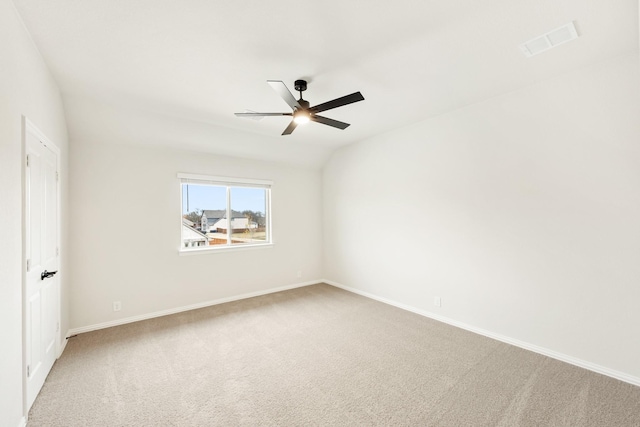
<point x="203" y="209"/>
<point x="249" y="215"/>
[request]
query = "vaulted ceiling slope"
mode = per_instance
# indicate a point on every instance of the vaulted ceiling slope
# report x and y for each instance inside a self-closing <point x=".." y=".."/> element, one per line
<point x="201" y="61"/>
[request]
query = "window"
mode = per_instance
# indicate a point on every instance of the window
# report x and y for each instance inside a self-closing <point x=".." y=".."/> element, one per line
<point x="219" y="212"/>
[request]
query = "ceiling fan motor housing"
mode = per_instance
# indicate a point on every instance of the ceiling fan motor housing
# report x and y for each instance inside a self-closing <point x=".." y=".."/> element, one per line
<point x="300" y="85"/>
<point x="303" y="103"/>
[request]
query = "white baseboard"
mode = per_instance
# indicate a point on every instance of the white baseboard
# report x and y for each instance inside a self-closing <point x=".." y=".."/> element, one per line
<point x="161" y="313"/>
<point x="23" y="422"/>
<point x="527" y="346"/>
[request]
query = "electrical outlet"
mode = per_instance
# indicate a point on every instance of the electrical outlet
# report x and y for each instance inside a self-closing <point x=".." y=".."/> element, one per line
<point x="117" y="306"/>
<point x="437" y="301"/>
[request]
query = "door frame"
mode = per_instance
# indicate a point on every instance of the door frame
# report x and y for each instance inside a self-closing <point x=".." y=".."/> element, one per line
<point x="29" y="126"/>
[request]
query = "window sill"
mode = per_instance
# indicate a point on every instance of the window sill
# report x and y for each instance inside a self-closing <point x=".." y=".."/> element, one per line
<point x="210" y="250"/>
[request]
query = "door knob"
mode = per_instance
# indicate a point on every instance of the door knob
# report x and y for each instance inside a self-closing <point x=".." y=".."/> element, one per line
<point x="45" y="274"/>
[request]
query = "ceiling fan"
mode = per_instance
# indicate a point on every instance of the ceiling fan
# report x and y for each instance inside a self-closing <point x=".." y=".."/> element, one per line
<point x="302" y="113"/>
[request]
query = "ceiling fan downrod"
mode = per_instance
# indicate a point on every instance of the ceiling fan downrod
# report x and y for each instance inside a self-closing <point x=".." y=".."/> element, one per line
<point x="301" y="86"/>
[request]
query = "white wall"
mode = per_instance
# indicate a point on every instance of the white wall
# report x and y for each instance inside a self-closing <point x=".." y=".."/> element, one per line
<point x="523" y="213"/>
<point x="26" y="88"/>
<point x="118" y="190"/>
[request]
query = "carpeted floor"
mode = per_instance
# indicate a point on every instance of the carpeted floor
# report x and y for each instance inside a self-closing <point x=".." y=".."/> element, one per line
<point x="317" y="356"/>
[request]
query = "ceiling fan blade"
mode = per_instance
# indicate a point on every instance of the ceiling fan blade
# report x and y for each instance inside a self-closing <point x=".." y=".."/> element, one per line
<point x="262" y="114"/>
<point x="338" y="102"/>
<point x="290" y="128"/>
<point x="281" y="89"/>
<point x="330" y="122"/>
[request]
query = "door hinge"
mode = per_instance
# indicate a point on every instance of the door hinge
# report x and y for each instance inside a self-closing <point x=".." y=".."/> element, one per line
<point x="27" y="160"/>
<point x="28" y="265"/>
<point x="28" y="371"/>
<point x="57" y="251"/>
<point x="57" y="176"/>
<point x="58" y="327"/>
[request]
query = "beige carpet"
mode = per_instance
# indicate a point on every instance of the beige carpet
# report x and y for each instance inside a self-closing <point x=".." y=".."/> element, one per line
<point x="317" y="356"/>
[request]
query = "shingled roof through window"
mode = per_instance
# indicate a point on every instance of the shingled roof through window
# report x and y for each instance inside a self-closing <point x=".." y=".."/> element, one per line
<point x="220" y="213"/>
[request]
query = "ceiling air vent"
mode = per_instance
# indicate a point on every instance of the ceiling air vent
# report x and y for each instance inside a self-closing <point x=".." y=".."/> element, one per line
<point x="551" y="39"/>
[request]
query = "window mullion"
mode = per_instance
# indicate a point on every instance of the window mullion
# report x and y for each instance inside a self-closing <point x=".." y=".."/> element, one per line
<point x="267" y="215"/>
<point x="229" y="230"/>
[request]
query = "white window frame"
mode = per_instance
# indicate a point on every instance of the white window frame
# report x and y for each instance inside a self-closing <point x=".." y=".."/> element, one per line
<point x="228" y="182"/>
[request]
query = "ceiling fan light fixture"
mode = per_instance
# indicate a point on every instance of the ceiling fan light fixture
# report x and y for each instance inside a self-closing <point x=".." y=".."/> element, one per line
<point x="301" y="117"/>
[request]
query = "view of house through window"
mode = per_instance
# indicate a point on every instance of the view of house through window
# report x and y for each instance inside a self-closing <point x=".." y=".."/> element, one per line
<point x="216" y="213"/>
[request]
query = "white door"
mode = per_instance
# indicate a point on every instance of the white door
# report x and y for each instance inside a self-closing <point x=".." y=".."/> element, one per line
<point x="41" y="289"/>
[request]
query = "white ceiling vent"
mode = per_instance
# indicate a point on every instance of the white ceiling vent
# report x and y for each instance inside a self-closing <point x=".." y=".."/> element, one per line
<point x="551" y="39"/>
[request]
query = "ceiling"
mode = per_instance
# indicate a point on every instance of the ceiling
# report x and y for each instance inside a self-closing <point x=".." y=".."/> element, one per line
<point x="196" y="62"/>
